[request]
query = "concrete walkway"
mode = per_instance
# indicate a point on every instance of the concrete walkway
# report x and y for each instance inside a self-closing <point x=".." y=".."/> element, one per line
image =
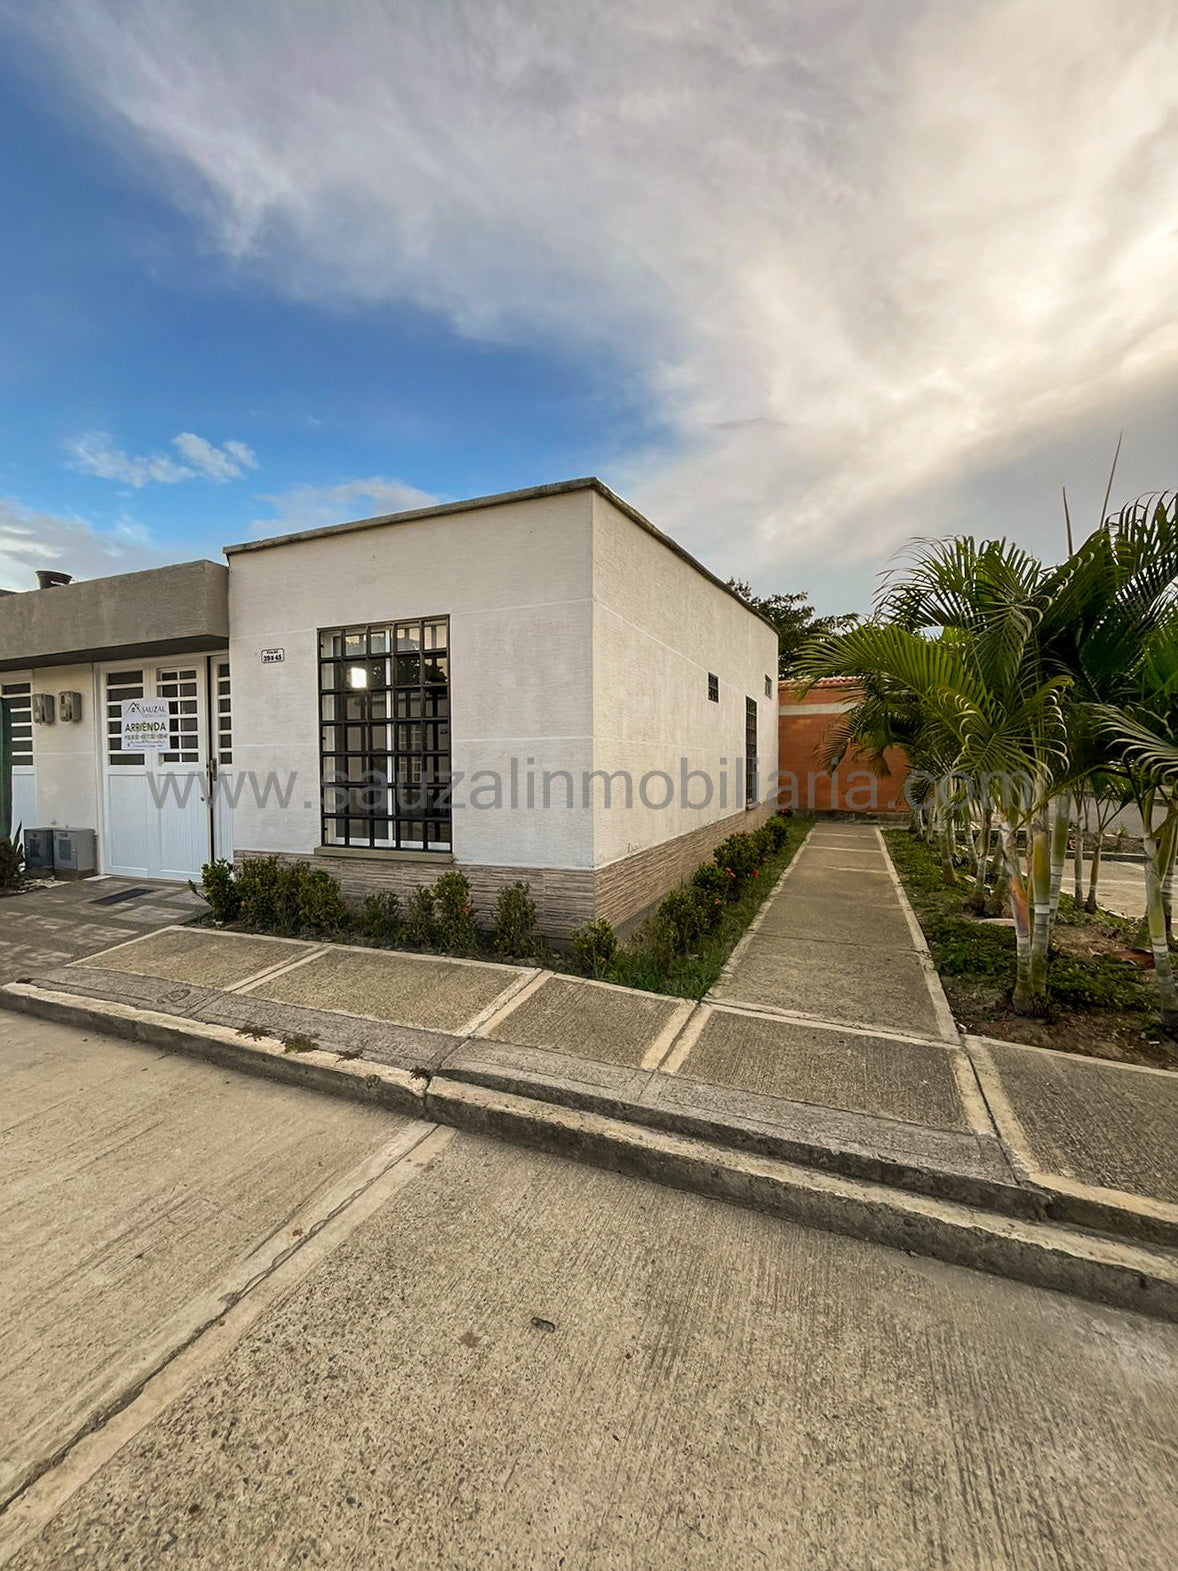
<point x="837" y="941"/>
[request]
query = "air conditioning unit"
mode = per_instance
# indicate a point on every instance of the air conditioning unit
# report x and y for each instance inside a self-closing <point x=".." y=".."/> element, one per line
<point x="74" y="850"/>
<point x="39" y="850"/>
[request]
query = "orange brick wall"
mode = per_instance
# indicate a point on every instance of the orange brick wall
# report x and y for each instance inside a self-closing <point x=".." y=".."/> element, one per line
<point x="803" y="723"/>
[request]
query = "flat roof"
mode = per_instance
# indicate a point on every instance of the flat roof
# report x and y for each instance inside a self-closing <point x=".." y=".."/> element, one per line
<point x="528" y="494"/>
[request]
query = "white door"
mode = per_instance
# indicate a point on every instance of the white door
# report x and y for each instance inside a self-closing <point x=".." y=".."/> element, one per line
<point x="17" y="691"/>
<point x="221" y="711"/>
<point x="157" y="808"/>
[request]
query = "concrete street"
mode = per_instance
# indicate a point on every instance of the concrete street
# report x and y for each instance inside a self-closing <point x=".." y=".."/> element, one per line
<point x="473" y="1354"/>
<point x="1120" y="887"/>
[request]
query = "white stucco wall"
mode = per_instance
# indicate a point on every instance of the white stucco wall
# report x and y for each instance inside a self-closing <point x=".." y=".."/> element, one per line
<point x="659" y="628"/>
<point x="66" y="754"/>
<point x="515" y="581"/>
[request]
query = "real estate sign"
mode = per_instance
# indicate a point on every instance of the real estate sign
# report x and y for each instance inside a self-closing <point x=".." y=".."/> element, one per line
<point x="144" y="725"/>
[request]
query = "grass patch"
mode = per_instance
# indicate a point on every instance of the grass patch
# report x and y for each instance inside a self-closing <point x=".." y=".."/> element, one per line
<point x="691" y="975"/>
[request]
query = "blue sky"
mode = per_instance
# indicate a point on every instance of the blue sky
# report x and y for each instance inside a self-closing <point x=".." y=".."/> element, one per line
<point x="801" y="281"/>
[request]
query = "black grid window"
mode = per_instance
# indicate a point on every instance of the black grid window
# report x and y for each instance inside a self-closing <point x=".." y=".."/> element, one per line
<point x="713" y="688"/>
<point x="384" y="708"/>
<point x="750" y="752"/>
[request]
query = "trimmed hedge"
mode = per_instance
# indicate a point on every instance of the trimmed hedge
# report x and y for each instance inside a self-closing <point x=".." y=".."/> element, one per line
<point x="292" y="899"/>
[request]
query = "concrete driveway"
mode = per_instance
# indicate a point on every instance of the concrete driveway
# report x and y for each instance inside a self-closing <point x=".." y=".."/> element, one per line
<point x="59" y="922"/>
<point x="478" y="1355"/>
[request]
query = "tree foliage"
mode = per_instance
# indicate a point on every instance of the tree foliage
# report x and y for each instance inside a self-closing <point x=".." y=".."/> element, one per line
<point x="794" y="618"/>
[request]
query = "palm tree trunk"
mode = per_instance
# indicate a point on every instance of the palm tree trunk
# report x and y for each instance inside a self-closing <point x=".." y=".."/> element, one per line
<point x="1094" y="873"/>
<point x="948" y="871"/>
<point x="1078" y="854"/>
<point x="1059" y="854"/>
<point x="1168" y="887"/>
<point x="1041" y="911"/>
<point x="1159" y="850"/>
<point x="984" y="850"/>
<point x="1017" y="890"/>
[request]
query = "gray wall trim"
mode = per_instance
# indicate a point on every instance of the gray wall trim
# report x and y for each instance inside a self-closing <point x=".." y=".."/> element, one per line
<point x="181" y="608"/>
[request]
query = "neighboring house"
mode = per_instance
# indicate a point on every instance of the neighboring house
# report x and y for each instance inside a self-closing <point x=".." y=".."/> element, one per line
<point x="519" y="685"/>
<point x="806" y="724"/>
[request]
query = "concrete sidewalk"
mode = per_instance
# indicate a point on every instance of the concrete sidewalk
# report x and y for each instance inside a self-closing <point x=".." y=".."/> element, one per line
<point x="827" y="1045"/>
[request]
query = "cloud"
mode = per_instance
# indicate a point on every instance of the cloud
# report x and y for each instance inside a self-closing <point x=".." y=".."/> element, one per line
<point x="30" y="539"/>
<point x="94" y="453"/>
<point x="315" y="507"/>
<point x="855" y="254"/>
<point x="216" y="463"/>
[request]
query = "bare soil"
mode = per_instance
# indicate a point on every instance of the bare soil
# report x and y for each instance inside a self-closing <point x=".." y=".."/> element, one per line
<point x="1093" y="1033"/>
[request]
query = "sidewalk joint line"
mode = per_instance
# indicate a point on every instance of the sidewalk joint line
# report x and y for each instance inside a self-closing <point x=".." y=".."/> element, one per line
<point x="530" y="981"/>
<point x="665" y="1046"/>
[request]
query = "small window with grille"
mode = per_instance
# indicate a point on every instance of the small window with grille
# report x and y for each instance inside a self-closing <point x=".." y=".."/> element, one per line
<point x="713" y="688"/>
<point x="768" y="687"/>
<point x="19" y="698"/>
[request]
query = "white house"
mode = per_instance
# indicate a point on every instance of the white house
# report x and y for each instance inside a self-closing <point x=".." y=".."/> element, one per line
<point x="536" y="685"/>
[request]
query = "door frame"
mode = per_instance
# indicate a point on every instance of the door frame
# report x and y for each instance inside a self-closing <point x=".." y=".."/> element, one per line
<point x="150" y="664"/>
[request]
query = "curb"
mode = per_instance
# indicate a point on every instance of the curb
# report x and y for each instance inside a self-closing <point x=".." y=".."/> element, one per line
<point x="1125" y="1276"/>
<point x="1086" y="1265"/>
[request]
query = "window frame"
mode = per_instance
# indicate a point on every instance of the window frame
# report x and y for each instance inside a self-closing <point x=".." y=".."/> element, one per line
<point x="713" y="688"/>
<point x="390" y="733"/>
<point x="19" y="697"/>
<point x="750" y="752"/>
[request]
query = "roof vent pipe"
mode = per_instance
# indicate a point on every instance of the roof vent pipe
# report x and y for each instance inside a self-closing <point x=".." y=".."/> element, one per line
<point x="48" y="579"/>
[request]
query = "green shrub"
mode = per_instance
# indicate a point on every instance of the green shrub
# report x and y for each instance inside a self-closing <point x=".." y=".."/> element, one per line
<point x="420" y="928"/>
<point x="514" y="932"/>
<point x="260" y="883"/>
<point x="219" y="889"/>
<point x="322" y="909"/>
<point x="679" y="921"/>
<point x="455" y="912"/>
<point x="380" y="917"/>
<point x="288" y="898"/>
<point x="594" y="946"/>
<point x="778" y="830"/>
<point x="739" y="855"/>
<point x="712" y="884"/>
